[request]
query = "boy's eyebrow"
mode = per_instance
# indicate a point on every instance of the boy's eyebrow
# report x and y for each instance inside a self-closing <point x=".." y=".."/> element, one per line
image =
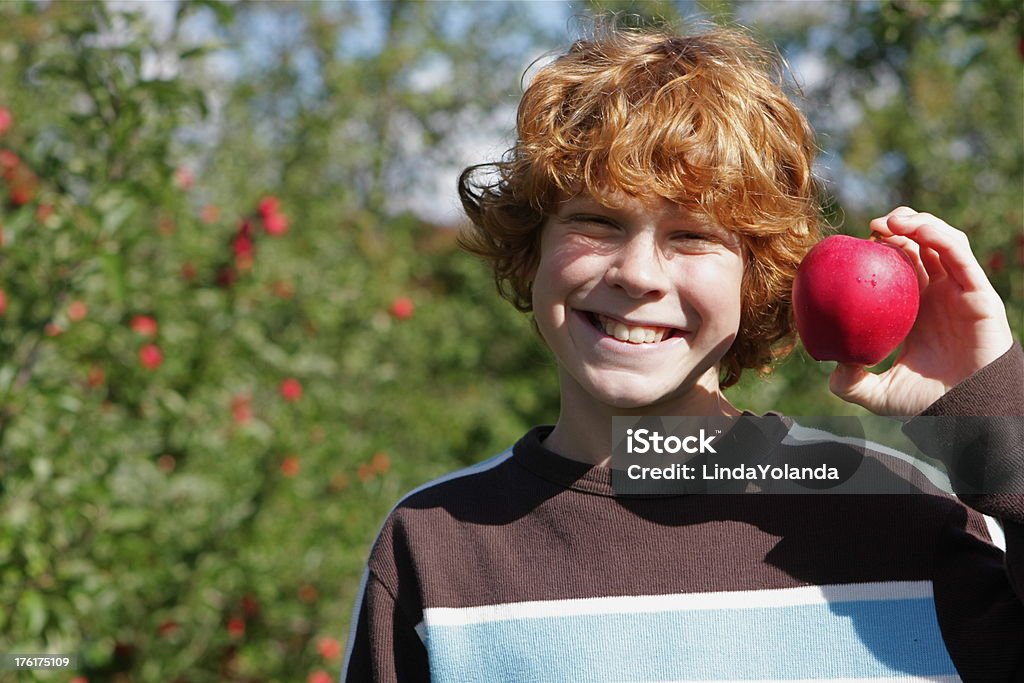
<point x="582" y="202"/>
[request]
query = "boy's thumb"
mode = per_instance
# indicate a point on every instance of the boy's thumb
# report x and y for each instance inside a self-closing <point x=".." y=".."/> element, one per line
<point x="853" y="383"/>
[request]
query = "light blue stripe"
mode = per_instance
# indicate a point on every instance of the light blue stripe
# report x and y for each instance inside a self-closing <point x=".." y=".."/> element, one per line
<point x="862" y="639"/>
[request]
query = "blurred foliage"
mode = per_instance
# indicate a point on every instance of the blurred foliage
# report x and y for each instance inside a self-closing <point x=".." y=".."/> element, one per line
<point x="227" y="346"/>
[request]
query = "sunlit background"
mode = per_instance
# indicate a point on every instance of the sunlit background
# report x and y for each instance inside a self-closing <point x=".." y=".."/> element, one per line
<point x="234" y="326"/>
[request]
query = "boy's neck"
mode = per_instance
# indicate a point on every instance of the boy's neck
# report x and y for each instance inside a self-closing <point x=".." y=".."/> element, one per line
<point x="584" y="428"/>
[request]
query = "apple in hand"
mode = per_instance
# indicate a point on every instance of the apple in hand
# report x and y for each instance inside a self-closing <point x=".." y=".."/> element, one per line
<point x="854" y="300"/>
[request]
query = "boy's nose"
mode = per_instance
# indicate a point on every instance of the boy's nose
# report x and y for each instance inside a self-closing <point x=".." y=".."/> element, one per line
<point x="638" y="269"/>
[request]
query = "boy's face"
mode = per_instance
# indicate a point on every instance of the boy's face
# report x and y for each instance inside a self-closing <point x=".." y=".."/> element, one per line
<point x="638" y="303"/>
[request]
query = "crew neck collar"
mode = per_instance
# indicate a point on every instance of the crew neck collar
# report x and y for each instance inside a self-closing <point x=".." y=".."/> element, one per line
<point x="530" y="453"/>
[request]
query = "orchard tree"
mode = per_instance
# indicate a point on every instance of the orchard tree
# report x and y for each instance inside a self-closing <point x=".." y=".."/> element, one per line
<point x="225" y="346"/>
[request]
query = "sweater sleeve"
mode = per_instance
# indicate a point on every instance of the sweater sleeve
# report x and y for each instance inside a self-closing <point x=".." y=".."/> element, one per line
<point x="383" y="646"/>
<point x="979" y="591"/>
<point x="977" y="430"/>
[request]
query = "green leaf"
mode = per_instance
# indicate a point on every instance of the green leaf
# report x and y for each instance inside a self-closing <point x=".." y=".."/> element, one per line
<point x="200" y="51"/>
<point x="113" y="268"/>
<point x="112" y="218"/>
<point x="222" y="10"/>
<point x="33" y="610"/>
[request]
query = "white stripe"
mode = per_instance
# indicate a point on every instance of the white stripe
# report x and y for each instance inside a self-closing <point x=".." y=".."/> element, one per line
<point x="799" y="433"/>
<point x="888" y="679"/>
<point x="361" y="594"/>
<point x="634" y="604"/>
<point x="996" y="532"/>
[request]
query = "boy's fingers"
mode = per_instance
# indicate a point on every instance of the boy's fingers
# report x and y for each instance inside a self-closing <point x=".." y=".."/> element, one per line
<point x="854" y="384"/>
<point x="951" y="248"/>
<point x="932" y="262"/>
<point x="880" y="225"/>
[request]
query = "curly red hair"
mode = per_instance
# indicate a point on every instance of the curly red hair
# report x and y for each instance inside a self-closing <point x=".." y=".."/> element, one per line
<point x="702" y="120"/>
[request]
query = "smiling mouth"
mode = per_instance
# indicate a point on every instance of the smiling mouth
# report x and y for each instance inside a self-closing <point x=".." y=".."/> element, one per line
<point x="633" y="334"/>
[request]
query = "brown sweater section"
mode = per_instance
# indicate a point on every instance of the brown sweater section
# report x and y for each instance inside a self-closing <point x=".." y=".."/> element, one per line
<point x="533" y="526"/>
<point x="541" y="527"/>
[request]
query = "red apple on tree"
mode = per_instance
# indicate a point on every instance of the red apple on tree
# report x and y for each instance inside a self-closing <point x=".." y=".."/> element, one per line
<point x="269" y="206"/>
<point x="144" y="325"/>
<point x="402" y="307"/>
<point x="854" y="300"/>
<point x="151" y="356"/>
<point x="291" y="389"/>
<point x="275" y="224"/>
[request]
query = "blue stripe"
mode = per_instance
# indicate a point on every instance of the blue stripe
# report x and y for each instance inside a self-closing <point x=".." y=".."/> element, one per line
<point x="862" y="639"/>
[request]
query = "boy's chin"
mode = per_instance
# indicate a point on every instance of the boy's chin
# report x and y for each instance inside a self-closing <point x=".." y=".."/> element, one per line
<point x="639" y="395"/>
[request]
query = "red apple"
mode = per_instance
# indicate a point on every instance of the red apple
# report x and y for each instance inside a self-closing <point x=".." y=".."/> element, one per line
<point x="21" y="195"/>
<point x="168" y="628"/>
<point x="290" y="466"/>
<point x="8" y="162"/>
<point x="854" y="300"/>
<point x="269" y="205"/>
<point x="77" y="310"/>
<point x="144" y="325"/>
<point x="275" y="224"/>
<point x="151" y="356"/>
<point x="402" y="308"/>
<point x="236" y="627"/>
<point x="329" y="648"/>
<point x="241" y="408"/>
<point x="291" y="389"/>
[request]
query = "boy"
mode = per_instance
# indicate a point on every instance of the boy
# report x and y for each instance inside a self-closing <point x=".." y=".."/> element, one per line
<point x="651" y="216"/>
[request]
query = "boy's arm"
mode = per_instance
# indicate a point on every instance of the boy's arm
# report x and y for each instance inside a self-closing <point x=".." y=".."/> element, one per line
<point x="383" y="646"/>
<point x="977" y="430"/>
<point x="979" y="591"/>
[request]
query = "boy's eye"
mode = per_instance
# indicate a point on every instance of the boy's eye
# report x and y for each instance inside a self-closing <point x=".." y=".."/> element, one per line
<point x="695" y="237"/>
<point x="592" y="219"/>
<point x="700" y="242"/>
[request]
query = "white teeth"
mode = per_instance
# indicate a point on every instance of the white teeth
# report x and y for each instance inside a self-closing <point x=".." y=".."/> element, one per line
<point x="634" y="335"/>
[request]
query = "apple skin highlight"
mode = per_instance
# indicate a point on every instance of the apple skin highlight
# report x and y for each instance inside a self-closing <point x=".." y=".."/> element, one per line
<point x="854" y="300"/>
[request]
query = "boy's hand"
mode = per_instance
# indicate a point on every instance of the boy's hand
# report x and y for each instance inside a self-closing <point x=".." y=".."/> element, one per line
<point x="961" y="325"/>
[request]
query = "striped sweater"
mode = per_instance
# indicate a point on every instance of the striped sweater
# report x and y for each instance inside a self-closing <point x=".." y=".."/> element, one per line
<point x="527" y="567"/>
